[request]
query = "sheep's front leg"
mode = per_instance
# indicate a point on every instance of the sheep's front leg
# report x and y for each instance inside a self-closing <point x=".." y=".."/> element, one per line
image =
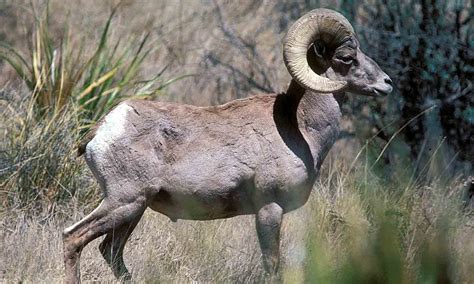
<point x="268" y="223"/>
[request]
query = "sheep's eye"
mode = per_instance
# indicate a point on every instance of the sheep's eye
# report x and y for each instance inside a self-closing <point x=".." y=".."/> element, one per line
<point x="346" y="59"/>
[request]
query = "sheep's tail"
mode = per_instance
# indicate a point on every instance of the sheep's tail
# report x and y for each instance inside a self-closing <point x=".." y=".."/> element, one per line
<point x="81" y="147"/>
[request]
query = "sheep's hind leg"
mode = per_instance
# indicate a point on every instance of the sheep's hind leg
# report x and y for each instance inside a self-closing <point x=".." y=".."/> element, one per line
<point x="112" y="248"/>
<point x="105" y="218"/>
<point x="268" y="223"/>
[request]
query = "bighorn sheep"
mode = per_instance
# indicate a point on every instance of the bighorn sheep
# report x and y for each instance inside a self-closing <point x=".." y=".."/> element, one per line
<point x="259" y="155"/>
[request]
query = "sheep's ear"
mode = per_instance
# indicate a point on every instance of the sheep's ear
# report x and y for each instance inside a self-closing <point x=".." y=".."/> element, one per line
<point x="319" y="49"/>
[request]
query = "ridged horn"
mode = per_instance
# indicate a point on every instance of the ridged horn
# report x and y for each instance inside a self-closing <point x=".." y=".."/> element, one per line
<point x="324" y="25"/>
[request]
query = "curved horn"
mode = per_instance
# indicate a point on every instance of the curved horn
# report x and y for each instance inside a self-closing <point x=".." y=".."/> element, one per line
<point x="326" y="25"/>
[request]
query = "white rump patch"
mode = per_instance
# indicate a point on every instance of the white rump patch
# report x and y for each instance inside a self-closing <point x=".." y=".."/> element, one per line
<point x="110" y="130"/>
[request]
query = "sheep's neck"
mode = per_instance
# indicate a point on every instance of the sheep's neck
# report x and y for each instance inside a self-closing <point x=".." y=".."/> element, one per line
<point x="316" y="117"/>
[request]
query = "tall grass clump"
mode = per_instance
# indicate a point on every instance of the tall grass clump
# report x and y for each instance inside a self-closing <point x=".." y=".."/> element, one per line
<point x="38" y="165"/>
<point x="59" y="70"/>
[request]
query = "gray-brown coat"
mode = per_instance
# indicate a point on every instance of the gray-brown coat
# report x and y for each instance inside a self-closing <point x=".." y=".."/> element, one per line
<point x="259" y="155"/>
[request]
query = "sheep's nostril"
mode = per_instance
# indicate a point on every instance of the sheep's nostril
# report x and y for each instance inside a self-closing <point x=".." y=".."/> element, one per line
<point x="388" y="81"/>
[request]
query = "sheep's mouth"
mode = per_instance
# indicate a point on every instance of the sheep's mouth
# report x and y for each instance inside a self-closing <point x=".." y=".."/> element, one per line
<point x="374" y="91"/>
<point x="381" y="91"/>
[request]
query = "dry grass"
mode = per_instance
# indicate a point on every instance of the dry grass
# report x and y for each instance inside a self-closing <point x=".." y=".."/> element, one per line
<point x="349" y="229"/>
<point x="157" y="251"/>
<point x="38" y="165"/>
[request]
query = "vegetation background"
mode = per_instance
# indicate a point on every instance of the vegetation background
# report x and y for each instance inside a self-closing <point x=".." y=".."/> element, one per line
<point x="394" y="201"/>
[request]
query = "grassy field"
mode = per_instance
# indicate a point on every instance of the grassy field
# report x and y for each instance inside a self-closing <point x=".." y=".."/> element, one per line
<point x="366" y="221"/>
<point x="351" y="230"/>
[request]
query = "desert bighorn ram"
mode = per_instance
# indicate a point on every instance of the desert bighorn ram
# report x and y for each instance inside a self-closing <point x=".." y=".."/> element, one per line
<point x="259" y="155"/>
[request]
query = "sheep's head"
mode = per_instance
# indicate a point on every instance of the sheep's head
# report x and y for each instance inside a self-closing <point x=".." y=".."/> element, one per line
<point x="323" y="41"/>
